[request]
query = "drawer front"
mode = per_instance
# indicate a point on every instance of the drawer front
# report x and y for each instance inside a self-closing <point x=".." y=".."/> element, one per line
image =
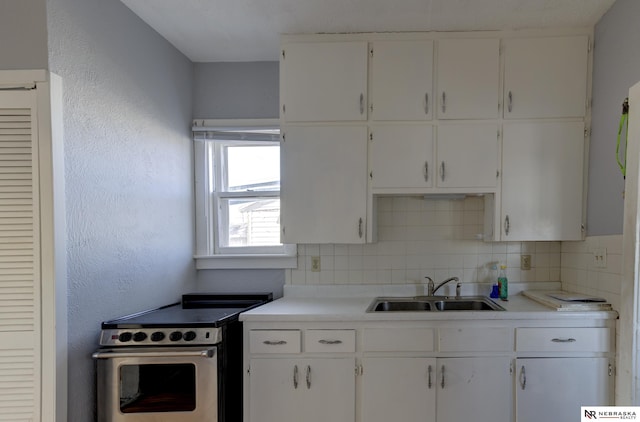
<point x="563" y="339"/>
<point x="274" y="341"/>
<point x="397" y="340"/>
<point x="499" y="339"/>
<point x="330" y="341"/>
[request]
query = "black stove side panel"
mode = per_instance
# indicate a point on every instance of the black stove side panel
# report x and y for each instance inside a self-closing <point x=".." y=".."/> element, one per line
<point x="230" y="386"/>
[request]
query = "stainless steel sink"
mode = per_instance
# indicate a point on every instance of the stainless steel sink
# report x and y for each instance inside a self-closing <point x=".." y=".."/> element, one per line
<point x="433" y="303"/>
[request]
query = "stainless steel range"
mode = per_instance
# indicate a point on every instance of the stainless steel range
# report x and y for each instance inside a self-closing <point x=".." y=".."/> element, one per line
<point x="181" y="362"/>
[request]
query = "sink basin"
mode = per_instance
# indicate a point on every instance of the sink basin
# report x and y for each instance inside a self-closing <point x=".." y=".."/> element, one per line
<point x="435" y="303"/>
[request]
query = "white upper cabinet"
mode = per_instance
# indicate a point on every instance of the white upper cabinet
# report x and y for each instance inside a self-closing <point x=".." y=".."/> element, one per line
<point x="546" y="77"/>
<point x="467" y="156"/>
<point x="402" y="80"/>
<point x="324" y="81"/>
<point x="324" y="184"/>
<point x="401" y="156"/>
<point x="468" y="78"/>
<point x="542" y="183"/>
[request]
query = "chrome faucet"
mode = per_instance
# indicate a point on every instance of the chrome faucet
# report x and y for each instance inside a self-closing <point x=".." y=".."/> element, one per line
<point x="432" y="288"/>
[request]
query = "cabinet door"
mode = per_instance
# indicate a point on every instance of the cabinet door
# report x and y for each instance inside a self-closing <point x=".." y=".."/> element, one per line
<point x="398" y="389"/>
<point x="468" y="78"/>
<point x="275" y="387"/>
<point x="402" y="157"/>
<point x="402" y="80"/>
<point x="546" y="77"/>
<point x="324" y="184"/>
<point x="542" y="181"/>
<point x="330" y="390"/>
<point x="467" y="156"/>
<point x="324" y="81"/>
<point x="557" y="387"/>
<point x="474" y="389"/>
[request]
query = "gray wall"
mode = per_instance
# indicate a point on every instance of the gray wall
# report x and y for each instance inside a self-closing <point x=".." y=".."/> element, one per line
<point x="247" y="90"/>
<point x="23" y="34"/>
<point x="616" y="68"/>
<point x="243" y="90"/>
<point x="128" y="172"/>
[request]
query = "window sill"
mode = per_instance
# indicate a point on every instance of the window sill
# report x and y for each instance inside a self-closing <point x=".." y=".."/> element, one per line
<point x="257" y="261"/>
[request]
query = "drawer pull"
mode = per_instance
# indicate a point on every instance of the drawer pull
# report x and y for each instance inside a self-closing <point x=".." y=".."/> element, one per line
<point x="429" y="370"/>
<point x="295" y="377"/>
<point x="523" y="378"/>
<point x="330" y="342"/>
<point x="308" y="377"/>
<point x="274" y="342"/>
<point x="563" y="340"/>
<point x="442" y="382"/>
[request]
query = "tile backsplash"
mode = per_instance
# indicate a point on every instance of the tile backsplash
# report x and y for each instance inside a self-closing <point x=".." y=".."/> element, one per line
<point x="420" y="237"/>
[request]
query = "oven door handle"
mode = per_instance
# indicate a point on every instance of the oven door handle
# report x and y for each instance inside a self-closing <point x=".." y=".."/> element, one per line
<point x="203" y="353"/>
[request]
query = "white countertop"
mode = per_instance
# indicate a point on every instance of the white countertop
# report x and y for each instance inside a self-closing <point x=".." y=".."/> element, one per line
<point x="334" y="309"/>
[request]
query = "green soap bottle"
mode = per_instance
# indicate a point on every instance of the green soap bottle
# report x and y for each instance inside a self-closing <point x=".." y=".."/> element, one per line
<point x="503" y="283"/>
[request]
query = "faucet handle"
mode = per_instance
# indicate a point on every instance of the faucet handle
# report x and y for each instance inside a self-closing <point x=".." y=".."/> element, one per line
<point x="458" y="288"/>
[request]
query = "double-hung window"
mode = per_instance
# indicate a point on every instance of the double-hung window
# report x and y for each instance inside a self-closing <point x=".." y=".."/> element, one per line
<point x="237" y="180"/>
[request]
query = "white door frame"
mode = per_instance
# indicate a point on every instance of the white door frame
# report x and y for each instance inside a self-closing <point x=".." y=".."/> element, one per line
<point x="628" y="380"/>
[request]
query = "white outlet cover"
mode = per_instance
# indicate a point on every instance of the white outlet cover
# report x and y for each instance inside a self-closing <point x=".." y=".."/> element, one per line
<point x="600" y="257"/>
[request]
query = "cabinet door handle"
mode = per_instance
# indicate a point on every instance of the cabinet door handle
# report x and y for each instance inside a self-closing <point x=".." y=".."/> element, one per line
<point x="563" y="340"/>
<point x="426" y="171"/>
<point x="330" y="342"/>
<point x="507" y="225"/>
<point x="444" y="102"/>
<point x="442" y="381"/>
<point x="361" y="103"/>
<point x="523" y="378"/>
<point x="308" y="377"/>
<point x="429" y="371"/>
<point x="295" y="377"/>
<point x="426" y="103"/>
<point x="510" y="104"/>
<point x="442" y="171"/>
<point x="360" y="233"/>
<point x="274" y="342"/>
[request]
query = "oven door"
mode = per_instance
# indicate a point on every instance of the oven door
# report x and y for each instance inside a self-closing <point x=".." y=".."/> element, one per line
<point x="157" y="384"/>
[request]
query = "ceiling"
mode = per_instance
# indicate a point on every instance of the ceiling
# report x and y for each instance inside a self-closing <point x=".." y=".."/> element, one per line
<point x="249" y="30"/>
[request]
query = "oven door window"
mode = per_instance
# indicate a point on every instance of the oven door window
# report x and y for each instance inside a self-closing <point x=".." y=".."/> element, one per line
<point x="157" y="388"/>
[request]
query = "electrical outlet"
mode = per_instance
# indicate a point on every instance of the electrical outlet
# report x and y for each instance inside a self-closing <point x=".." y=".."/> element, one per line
<point x="525" y="262"/>
<point x="600" y="257"/>
<point x="315" y="264"/>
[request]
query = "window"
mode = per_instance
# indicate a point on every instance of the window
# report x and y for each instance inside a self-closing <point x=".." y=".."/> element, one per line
<point x="238" y="195"/>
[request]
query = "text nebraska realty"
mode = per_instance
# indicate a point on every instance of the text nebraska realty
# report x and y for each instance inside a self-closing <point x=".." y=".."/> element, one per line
<point x="610" y="414"/>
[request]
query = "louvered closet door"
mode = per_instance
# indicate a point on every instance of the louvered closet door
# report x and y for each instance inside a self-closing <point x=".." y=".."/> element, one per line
<point x="19" y="263"/>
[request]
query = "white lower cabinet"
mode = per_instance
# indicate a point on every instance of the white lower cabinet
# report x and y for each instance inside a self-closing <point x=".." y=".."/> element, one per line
<point x="553" y="389"/>
<point x="436" y="389"/>
<point x="310" y="390"/>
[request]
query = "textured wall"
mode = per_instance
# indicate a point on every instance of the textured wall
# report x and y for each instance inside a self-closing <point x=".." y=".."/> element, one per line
<point x="244" y="90"/>
<point x="127" y="112"/>
<point x="616" y="68"/>
<point x="247" y="90"/>
<point x="23" y="34"/>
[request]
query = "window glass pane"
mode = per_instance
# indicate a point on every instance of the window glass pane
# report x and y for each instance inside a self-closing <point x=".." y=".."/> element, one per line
<point x="253" y="168"/>
<point x="251" y="222"/>
<point x="157" y="388"/>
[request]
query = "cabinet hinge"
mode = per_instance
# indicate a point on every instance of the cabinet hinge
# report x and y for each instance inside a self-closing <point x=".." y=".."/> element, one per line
<point x="611" y="370"/>
<point x="359" y="370"/>
<point x="587" y="132"/>
<point x="371" y="52"/>
<point x="511" y="368"/>
<point x="284" y="108"/>
<point x="371" y="175"/>
<point x="249" y="370"/>
<point x="371" y="136"/>
<point x="371" y="107"/>
<point x="283" y="54"/>
<point x="589" y="45"/>
<point x="284" y="137"/>
<point x="497" y="174"/>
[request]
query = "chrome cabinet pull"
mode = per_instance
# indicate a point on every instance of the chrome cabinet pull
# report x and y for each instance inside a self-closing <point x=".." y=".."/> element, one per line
<point x="330" y="342"/>
<point x="429" y="370"/>
<point x="510" y="105"/>
<point x="507" y="225"/>
<point x="360" y="228"/>
<point x="444" y="102"/>
<point x="563" y="340"/>
<point x="442" y="382"/>
<point x="523" y="378"/>
<point x="426" y="171"/>
<point x="361" y="103"/>
<point x="442" y="171"/>
<point x="426" y="103"/>
<point x="308" y="377"/>
<point x="295" y="377"/>
<point x="274" y="342"/>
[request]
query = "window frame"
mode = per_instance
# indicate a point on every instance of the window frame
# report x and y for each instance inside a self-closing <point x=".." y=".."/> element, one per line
<point x="209" y="254"/>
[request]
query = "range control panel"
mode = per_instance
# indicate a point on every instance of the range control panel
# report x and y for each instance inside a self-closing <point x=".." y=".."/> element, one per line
<point x="160" y="336"/>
